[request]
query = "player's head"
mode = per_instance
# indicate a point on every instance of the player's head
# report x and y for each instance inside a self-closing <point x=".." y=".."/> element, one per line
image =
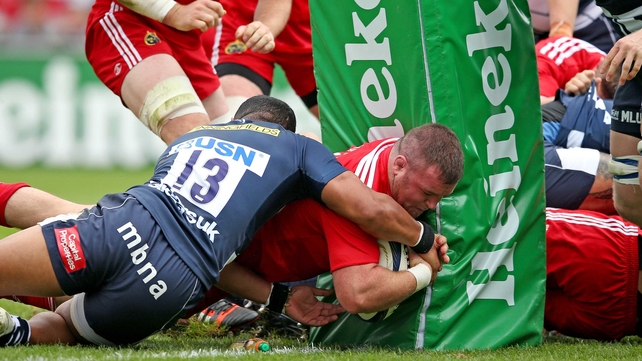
<point x="425" y="165"/>
<point x="267" y="109"/>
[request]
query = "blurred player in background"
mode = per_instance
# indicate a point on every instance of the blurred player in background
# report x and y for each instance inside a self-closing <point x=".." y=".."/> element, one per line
<point x="149" y="53"/>
<point x="576" y="128"/>
<point x="593" y="280"/>
<point x="559" y="59"/>
<point x="246" y="71"/>
<point x="581" y="19"/>
<point x="623" y="62"/>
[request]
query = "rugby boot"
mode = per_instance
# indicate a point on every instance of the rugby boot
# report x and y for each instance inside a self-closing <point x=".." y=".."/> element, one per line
<point x="13" y="330"/>
<point x="6" y="322"/>
<point x="229" y="314"/>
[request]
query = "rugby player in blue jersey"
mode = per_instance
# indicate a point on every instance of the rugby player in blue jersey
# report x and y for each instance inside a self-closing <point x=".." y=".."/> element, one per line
<point x="139" y="259"/>
<point x="576" y="127"/>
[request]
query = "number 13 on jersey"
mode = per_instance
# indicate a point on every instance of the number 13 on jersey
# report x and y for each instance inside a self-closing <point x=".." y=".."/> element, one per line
<point x="207" y="170"/>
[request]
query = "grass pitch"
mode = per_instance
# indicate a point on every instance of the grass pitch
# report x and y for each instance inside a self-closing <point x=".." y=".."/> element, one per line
<point x="199" y="342"/>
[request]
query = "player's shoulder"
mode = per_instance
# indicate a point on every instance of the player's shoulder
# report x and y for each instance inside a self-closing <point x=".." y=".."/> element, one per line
<point x="243" y="125"/>
<point x="374" y="145"/>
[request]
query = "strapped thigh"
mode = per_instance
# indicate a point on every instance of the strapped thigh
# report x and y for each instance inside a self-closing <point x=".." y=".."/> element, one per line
<point x="625" y="169"/>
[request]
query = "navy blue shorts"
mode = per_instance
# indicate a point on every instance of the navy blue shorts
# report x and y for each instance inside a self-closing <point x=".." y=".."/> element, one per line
<point x="127" y="280"/>
<point x="627" y="108"/>
<point x="569" y="175"/>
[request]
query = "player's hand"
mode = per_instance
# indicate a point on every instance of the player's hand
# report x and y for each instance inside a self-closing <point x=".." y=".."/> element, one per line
<point x="441" y="244"/>
<point x="628" y="52"/>
<point x="438" y="250"/>
<point x="303" y="306"/>
<point x="200" y="14"/>
<point x="580" y="83"/>
<point x="256" y="36"/>
<point x="435" y="258"/>
<point x="433" y="261"/>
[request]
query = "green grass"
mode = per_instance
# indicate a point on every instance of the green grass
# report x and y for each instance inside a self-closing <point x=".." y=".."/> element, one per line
<point x="199" y="343"/>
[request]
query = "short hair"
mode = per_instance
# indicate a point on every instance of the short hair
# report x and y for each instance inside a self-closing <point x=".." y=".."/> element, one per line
<point x="267" y="109"/>
<point x="434" y="144"/>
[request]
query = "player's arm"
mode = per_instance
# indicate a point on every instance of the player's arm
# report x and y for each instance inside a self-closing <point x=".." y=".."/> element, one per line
<point x="562" y="15"/>
<point x="22" y="206"/>
<point x="376" y="213"/>
<point x="300" y="302"/>
<point x="200" y="14"/>
<point x="372" y="288"/>
<point x="270" y="17"/>
<point x="600" y="197"/>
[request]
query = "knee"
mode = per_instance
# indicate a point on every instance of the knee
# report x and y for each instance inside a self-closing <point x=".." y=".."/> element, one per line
<point x="169" y="99"/>
<point x="629" y="208"/>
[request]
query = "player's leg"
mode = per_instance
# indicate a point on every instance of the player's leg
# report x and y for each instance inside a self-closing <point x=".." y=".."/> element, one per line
<point x="164" y="101"/>
<point x="22" y="206"/>
<point x="625" y="136"/>
<point x="627" y="194"/>
<point x="299" y="70"/>
<point x="46" y="303"/>
<point x="53" y="328"/>
<point x="314" y="110"/>
<point x="600" y="197"/>
<point x="7" y="191"/>
<point x="25" y="268"/>
<point x="241" y="81"/>
<point x="137" y="59"/>
<point x="218" y="106"/>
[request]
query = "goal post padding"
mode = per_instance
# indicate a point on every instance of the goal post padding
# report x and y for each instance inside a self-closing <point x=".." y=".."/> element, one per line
<point x="384" y="67"/>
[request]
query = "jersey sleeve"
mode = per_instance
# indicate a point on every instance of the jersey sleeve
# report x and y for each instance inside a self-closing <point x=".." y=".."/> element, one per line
<point x="548" y="83"/>
<point x="290" y="246"/>
<point x="319" y="165"/>
<point x="348" y="245"/>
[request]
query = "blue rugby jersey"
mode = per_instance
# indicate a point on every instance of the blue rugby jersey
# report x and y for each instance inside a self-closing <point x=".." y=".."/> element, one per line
<point x="214" y="187"/>
<point x="624" y="15"/>
<point x="587" y="121"/>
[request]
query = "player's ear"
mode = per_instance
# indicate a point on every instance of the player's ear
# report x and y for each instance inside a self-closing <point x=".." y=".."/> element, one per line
<point x="400" y="162"/>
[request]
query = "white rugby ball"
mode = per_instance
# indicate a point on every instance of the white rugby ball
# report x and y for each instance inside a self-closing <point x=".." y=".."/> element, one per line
<point x="393" y="256"/>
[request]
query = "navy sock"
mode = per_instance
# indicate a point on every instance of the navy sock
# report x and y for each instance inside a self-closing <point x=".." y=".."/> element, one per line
<point x="20" y="334"/>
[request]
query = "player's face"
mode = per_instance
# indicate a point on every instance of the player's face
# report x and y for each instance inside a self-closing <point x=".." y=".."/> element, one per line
<point x="418" y="190"/>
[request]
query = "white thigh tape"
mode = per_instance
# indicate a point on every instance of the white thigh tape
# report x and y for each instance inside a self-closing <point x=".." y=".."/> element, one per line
<point x="625" y="169"/>
<point x="169" y="99"/>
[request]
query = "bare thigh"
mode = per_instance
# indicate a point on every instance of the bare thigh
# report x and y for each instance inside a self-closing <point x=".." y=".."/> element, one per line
<point x="144" y="76"/>
<point x="627" y="197"/>
<point x="236" y="85"/>
<point x="25" y="266"/>
<point x="215" y="104"/>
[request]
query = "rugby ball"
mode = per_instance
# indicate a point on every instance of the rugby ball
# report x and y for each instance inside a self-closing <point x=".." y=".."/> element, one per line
<point x="393" y="256"/>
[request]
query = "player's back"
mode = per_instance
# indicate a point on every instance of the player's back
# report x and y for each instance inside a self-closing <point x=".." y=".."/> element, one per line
<point x="215" y="186"/>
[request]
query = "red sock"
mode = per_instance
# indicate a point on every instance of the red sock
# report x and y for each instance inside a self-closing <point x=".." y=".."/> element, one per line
<point x="6" y="191"/>
<point x="47" y="303"/>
